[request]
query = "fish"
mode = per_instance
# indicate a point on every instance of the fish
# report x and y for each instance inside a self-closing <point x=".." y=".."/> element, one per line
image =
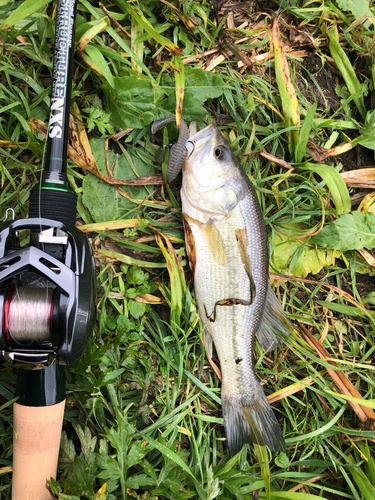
<point x="228" y="253"/>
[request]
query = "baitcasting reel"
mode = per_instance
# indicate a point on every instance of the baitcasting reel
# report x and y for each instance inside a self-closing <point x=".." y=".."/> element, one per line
<point x="47" y="292"/>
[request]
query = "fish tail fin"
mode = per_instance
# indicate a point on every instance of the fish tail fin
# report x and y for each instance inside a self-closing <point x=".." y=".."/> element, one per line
<point x="250" y="419"/>
<point x="275" y="326"/>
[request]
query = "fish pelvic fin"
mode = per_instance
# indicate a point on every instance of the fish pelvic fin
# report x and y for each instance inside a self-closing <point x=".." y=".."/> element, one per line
<point x="207" y="341"/>
<point x="250" y="419"/>
<point x="275" y="326"/>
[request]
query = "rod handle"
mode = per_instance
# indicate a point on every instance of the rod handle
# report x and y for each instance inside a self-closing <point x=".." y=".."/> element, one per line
<point x="36" y="444"/>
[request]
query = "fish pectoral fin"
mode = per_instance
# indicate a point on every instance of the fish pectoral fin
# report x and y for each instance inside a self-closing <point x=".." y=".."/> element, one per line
<point x="243" y="243"/>
<point x="190" y="242"/>
<point x="215" y="242"/>
<point x="275" y="326"/>
<point x="225" y="302"/>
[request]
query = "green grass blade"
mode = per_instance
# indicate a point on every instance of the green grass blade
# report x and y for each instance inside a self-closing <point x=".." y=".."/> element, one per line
<point x="97" y="61"/>
<point x="364" y="485"/>
<point x="335" y="184"/>
<point x="167" y="452"/>
<point x="347" y="70"/>
<point x="147" y="26"/>
<point x="304" y="134"/>
<point x="262" y="457"/>
<point x="24" y="10"/>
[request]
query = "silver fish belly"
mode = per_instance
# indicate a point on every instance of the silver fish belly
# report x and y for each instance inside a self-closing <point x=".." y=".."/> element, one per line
<point x="227" y="247"/>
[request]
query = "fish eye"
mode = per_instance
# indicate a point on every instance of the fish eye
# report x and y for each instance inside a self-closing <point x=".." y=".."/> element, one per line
<point x="219" y="152"/>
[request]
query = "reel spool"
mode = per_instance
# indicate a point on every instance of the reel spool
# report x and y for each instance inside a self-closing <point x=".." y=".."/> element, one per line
<point x="27" y="315"/>
<point x="47" y="293"/>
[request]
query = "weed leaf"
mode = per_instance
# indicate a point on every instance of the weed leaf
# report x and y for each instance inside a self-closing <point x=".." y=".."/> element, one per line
<point x="349" y="232"/>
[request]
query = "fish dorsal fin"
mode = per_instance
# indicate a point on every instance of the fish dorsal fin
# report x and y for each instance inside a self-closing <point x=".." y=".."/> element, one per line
<point x="275" y="326"/>
<point x="215" y="242"/>
<point x="243" y="243"/>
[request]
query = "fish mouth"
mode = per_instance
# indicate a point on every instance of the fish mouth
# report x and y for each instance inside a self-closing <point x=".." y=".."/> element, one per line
<point x="203" y="135"/>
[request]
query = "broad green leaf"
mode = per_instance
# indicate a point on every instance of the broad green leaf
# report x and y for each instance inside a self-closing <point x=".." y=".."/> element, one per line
<point x="139" y="480"/>
<point x="367" y="137"/>
<point x="136" y="101"/>
<point x="136" y="453"/>
<point x="357" y="7"/>
<point x="110" y="468"/>
<point x="24" y="10"/>
<point x="102" y="199"/>
<point x="137" y="309"/>
<point x="213" y="485"/>
<point x="349" y="232"/>
<point x="87" y="441"/>
<point x="335" y="184"/>
<point x="282" y="460"/>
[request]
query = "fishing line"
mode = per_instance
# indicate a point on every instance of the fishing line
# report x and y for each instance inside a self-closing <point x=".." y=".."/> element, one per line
<point x="28" y="314"/>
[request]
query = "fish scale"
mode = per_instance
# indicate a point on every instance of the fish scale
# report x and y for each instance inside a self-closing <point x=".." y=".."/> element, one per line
<point x="227" y="246"/>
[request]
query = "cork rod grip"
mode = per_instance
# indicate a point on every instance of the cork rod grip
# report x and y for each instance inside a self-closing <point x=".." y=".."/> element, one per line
<point x="36" y="443"/>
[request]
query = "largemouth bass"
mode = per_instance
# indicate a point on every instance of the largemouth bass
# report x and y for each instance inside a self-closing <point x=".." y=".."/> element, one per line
<point x="227" y="247"/>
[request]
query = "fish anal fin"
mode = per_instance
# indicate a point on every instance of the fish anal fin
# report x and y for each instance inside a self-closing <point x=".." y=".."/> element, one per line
<point x="275" y="326"/>
<point x="250" y="419"/>
<point x="243" y="242"/>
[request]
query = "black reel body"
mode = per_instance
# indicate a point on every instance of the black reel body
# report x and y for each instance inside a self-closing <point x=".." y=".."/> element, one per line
<point x="47" y="292"/>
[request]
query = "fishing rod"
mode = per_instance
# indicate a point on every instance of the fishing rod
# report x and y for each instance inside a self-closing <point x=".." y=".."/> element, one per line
<point x="47" y="290"/>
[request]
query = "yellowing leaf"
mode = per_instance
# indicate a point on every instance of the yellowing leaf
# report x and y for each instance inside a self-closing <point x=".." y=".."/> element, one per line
<point x="286" y="88"/>
<point x="308" y="258"/>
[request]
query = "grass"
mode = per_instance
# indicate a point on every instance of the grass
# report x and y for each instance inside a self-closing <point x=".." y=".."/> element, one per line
<point x="143" y="417"/>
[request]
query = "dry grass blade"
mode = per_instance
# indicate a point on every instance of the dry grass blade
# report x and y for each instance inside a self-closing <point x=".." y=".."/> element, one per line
<point x="276" y="160"/>
<point x="180" y="88"/>
<point x="362" y="177"/>
<point x="290" y="389"/>
<point x="310" y="481"/>
<point x="367" y="256"/>
<point x="286" y="277"/>
<point x="110" y="225"/>
<point x="342" y="382"/>
<point x="80" y="152"/>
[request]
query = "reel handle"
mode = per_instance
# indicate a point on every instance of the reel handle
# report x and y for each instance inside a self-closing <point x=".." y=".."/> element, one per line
<point x="38" y="419"/>
<point x="36" y="444"/>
